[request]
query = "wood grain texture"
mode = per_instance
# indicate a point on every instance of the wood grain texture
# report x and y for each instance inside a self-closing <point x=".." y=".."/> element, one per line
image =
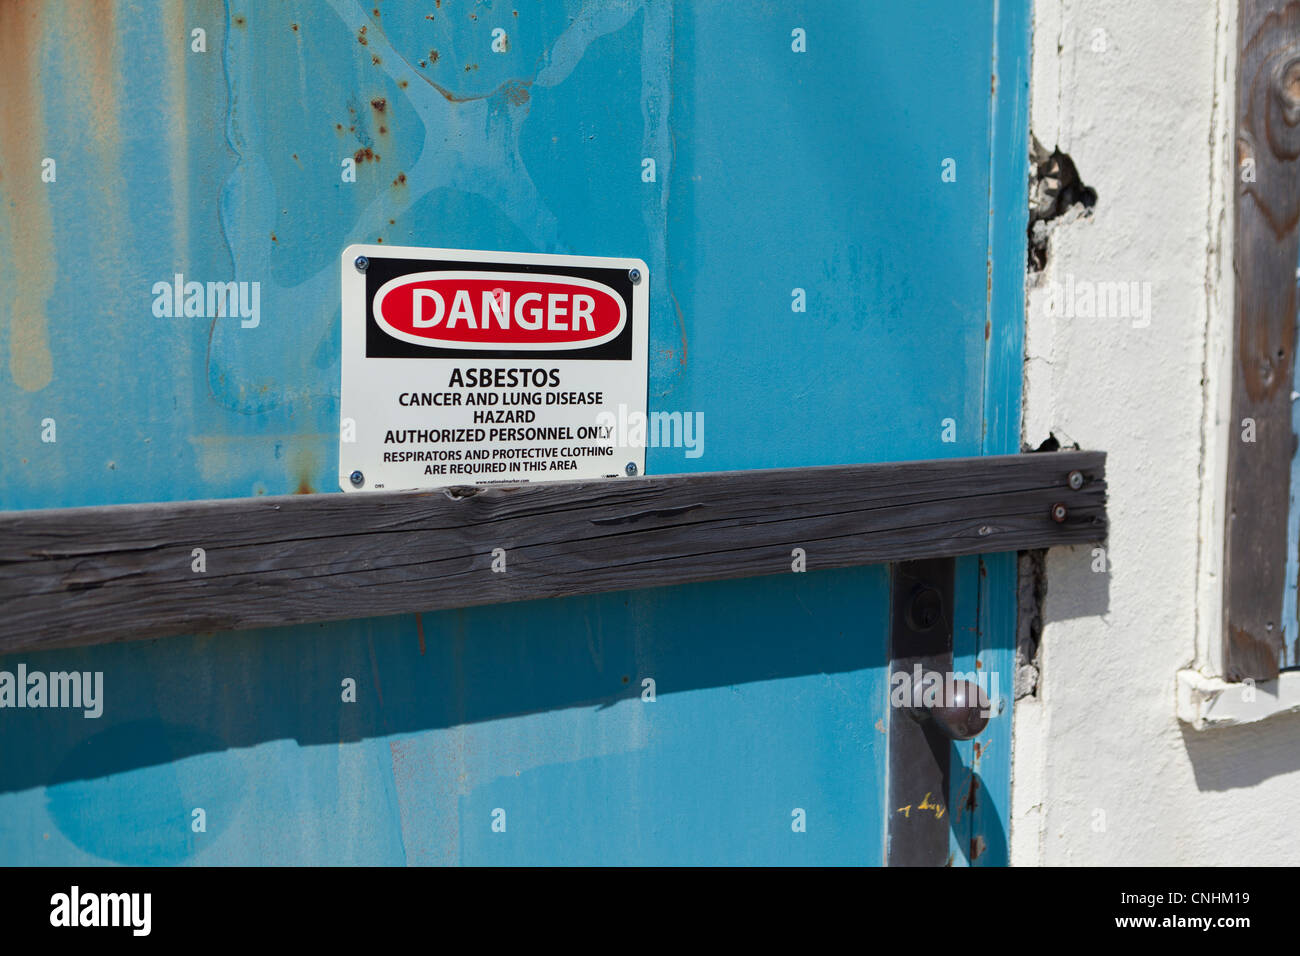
<point x="90" y="575"/>
<point x="1265" y="260"/>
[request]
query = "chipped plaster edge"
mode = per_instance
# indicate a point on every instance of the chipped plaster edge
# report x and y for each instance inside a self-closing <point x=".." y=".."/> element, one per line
<point x="1206" y="702"/>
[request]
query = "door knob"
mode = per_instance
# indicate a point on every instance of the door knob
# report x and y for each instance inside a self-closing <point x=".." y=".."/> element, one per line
<point x="961" y="713"/>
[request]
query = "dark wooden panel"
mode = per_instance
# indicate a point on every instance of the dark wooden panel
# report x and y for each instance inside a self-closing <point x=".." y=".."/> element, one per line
<point x="88" y="575"/>
<point x="1265" y="256"/>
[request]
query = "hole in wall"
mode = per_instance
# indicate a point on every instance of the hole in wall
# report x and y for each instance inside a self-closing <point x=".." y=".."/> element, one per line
<point x="1050" y="443"/>
<point x="1055" y="189"/>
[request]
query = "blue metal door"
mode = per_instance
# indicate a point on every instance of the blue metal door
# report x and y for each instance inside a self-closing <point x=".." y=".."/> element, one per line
<point x="830" y="198"/>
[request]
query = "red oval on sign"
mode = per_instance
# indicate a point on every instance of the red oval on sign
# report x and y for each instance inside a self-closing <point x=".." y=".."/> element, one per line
<point x="499" y="310"/>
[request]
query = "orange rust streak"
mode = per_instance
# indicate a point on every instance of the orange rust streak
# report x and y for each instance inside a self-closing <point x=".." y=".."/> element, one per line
<point x="173" y="24"/>
<point x="510" y="87"/>
<point x="104" y="77"/>
<point x="29" y="278"/>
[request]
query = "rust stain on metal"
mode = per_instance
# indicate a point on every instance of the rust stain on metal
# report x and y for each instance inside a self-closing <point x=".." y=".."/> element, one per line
<point x="400" y="180"/>
<point x="100" y="40"/>
<point x="419" y="629"/>
<point x="361" y="37"/>
<point x="961" y="807"/>
<point x="304" y="466"/>
<point x="91" y="48"/>
<point x="516" y="93"/>
<point x="30" y="271"/>
<point x="379" y="104"/>
<point x="173" y="24"/>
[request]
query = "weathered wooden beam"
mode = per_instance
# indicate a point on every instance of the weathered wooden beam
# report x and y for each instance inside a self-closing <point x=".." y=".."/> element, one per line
<point x="89" y="575"/>
<point x="1262" y="442"/>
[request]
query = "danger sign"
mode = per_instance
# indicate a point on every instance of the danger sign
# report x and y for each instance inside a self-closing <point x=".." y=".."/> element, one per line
<point x="464" y="367"/>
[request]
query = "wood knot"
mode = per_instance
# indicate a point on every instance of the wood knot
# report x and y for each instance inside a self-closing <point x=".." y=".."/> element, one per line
<point x="1286" y="85"/>
<point x="457" y="492"/>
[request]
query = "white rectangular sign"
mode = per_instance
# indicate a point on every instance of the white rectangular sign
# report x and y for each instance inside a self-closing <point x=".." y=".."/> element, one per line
<point x="463" y="367"/>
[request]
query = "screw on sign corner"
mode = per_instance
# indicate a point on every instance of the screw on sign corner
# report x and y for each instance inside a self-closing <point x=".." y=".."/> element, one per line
<point x="1059" y="513"/>
<point x="362" y="263"/>
<point x="357" y="479"/>
<point x="634" y="275"/>
<point x="1075" y="480"/>
<point x="631" y="469"/>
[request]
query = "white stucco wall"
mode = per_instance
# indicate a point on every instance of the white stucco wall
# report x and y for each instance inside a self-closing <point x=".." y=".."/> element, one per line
<point x="1105" y="773"/>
